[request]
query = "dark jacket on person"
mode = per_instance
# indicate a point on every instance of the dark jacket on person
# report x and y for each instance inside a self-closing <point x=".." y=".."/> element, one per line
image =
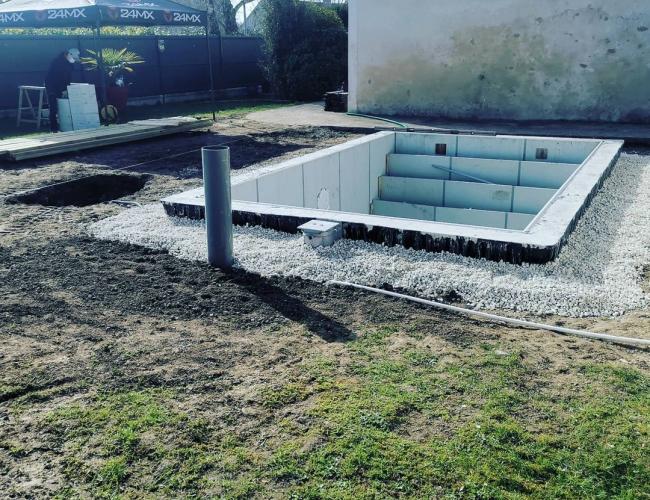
<point x="59" y="75"/>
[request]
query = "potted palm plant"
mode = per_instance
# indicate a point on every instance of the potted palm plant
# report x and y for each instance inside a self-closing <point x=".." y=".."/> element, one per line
<point x="117" y="63"/>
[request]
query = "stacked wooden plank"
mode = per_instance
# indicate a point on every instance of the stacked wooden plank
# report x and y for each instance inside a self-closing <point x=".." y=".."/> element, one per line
<point x="24" y="148"/>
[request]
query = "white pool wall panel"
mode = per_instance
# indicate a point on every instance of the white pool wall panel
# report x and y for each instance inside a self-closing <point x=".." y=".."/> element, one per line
<point x="461" y="194"/>
<point x="517" y="221"/>
<point x="545" y="175"/>
<point x="479" y="218"/>
<point x="502" y="148"/>
<point x="282" y="187"/>
<point x="354" y="175"/>
<point x="321" y="183"/>
<point x="513" y="172"/>
<point x="246" y="191"/>
<point x="404" y="210"/>
<point x="482" y="218"/>
<point x="408" y="190"/>
<point x="478" y="196"/>
<point x="334" y="177"/>
<point x="559" y="150"/>
<point x="529" y="200"/>
<point x="380" y="148"/>
<point x="497" y="147"/>
<point x="424" y="144"/>
<point x="494" y="171"/>
<point x="419" y="166"/>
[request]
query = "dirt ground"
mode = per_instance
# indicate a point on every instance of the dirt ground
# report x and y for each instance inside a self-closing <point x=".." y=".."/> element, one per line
<point x="89" y="329"/>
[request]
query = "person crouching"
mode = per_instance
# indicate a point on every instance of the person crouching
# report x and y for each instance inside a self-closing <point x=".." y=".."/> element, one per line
<point x="57" y="80"/>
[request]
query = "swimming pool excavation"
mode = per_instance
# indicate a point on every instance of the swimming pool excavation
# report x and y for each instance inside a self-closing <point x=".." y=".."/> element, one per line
<point x="507" y="198"/>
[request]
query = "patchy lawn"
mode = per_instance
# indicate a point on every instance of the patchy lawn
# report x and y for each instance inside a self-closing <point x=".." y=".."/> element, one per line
<point x="387" y="415"/>
<point x="224" y="109"/>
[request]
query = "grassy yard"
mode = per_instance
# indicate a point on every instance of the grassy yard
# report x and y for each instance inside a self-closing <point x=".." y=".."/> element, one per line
<point x="385" y="417"/>
<point x="224" y="109"/>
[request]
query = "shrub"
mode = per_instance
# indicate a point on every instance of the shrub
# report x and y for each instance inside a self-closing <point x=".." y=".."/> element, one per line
<point x="305" y="49"/>
<point x="116" y="63"/>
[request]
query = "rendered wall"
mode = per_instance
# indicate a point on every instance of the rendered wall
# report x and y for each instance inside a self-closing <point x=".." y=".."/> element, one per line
<point x="501" y="59"/>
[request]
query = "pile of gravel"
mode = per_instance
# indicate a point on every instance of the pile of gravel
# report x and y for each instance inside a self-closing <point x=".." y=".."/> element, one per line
<point x="599" y="272"/>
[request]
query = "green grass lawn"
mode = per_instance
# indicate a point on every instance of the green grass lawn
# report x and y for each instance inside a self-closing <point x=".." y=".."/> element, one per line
<point x="9" y="130"/>
<point x="224" y="109"/>
<point x="384" y="420"/>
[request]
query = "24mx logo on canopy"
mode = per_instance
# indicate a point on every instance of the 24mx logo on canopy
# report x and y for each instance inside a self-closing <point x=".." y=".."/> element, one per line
<point x="14" y="17"/>
<point x="181" y="17"/>
<point x="61" y="14"/>
<point x="136" y="14"/>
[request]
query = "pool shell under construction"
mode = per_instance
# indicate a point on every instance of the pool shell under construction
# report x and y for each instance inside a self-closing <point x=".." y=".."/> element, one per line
<point x="503" y="198"/>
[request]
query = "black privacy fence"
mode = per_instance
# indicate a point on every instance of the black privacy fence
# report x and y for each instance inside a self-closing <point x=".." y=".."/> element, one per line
<point x="173" y="64"/>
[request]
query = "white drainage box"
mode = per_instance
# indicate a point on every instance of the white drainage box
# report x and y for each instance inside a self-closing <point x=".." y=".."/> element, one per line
<point x="320" y="233"/>
<point x="508" y="198"/>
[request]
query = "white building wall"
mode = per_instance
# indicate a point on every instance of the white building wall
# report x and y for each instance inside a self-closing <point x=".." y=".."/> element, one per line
<point x="501" y="59"/>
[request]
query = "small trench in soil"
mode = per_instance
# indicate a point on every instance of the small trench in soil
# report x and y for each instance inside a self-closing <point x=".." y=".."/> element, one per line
<point x="83" y="192"/>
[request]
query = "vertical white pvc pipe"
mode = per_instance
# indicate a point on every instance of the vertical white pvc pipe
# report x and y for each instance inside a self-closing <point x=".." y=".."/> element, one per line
<point x="218" y="205"/>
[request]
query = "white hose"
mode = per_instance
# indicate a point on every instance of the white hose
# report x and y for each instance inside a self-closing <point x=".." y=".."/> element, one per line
<point x="501" y="319"/>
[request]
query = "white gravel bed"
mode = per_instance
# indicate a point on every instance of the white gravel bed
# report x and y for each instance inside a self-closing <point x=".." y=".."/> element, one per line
<point x="599" y="272"/>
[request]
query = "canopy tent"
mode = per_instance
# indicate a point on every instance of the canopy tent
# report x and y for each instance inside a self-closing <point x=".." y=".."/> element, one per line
<point x="93" y="13"/>
<point x="97" y="13"/>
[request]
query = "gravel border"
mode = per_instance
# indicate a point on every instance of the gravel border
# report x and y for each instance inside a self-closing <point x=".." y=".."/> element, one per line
<point x="598" y="273"/>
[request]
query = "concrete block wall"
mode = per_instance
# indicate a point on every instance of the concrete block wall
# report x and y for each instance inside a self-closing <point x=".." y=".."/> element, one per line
<point x="501" y="59"/>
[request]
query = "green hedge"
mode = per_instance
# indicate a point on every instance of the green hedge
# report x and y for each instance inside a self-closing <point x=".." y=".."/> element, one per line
<point x="305" y="49"/>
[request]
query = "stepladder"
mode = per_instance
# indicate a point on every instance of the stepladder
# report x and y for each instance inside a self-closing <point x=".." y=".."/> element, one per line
<point x="31" y="102"/>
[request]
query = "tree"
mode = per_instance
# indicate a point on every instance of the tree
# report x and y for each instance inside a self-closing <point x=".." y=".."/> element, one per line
<point x="221" y="17"/>
<point x="342" y="10"/>
<point x="305" y="48"/>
